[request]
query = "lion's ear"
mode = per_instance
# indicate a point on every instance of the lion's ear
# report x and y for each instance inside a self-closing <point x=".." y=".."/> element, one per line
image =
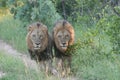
<point x="29" y="28"/>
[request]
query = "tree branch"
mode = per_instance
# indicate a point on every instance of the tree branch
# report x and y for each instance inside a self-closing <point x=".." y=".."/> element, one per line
<point x="63" y="7"/>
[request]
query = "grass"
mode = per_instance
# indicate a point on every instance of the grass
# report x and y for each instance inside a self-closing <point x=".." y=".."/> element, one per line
<point x="92" y="60"/>
<point x="90" y="65"/>
<point x="13" y="32"/>
<point x="101" y="70"/>
<point x="14" y="69"/>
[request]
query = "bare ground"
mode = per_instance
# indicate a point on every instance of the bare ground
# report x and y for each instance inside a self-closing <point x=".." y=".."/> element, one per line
<point x="26" y="59"/>
<point x="9" y="50"/>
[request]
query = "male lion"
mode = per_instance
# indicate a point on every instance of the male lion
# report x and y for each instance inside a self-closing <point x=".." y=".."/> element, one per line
<point x="39" y="45"/>
<point x="63" y="37"/>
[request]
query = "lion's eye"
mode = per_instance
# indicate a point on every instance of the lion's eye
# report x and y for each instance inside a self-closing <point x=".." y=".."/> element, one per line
<point x="34" y="35"/>
<point x="66" y="36"/>
<point x="59" y="36"/>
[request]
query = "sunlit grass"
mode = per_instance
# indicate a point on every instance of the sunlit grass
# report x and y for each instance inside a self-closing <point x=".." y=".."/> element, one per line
<point x="100" y="70"/>
<point x="13" y="32"/>
<point x="14" y="69"/>
<point x="93" y="58"/>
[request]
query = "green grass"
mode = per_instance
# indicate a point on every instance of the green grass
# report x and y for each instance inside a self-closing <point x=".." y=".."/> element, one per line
<point x="90" y="65"/>
<point x="14" y="69"/>
<point x="13" y="32"/>
<point x="93" y="58"/>
<point x="101" y="70"/>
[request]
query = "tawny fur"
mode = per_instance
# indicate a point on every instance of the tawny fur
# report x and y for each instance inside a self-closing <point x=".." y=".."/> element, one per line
<point x="43" y="55"/>
<point x="60" y="54"/>
<point x="31" y="29"/>
<point x="59" y="27"/>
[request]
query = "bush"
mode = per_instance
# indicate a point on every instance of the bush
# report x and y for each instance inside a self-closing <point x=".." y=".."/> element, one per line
<point x="34" y="10"/>
<point x="93" y="57"/>
<point x="110" y="25"/>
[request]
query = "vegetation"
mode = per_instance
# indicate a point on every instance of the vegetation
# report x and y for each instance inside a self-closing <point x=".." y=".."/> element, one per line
<point x="14" y="69"/>
<point x="96" y="50"/>
<point x="94" y="57"/>
<point x="12" y="31"/>
<point x="31" y="10"/>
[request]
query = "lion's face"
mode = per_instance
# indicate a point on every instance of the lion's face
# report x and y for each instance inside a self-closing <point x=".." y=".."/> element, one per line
<point x="63" y="37"/>
<point x="37" y="38"/>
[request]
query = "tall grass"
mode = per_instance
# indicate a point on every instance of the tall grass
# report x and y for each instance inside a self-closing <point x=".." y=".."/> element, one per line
<point x="13" y="32"/>
<point x="93" y="58"/>
<point x="14" y="69"/>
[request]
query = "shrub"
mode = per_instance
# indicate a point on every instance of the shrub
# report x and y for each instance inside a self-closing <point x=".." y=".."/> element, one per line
<point x="34" y="10"/>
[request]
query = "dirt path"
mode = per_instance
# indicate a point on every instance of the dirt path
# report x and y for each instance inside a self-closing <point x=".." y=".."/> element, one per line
<point x="26" y="59"/>
<point x="9" y="50"/>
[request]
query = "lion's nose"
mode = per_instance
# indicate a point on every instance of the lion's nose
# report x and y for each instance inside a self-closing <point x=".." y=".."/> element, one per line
<point x="37" y="43"/>
<point x="64" y="43"/>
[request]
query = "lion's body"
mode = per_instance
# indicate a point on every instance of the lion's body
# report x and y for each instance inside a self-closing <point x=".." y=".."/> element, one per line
<point x="43" y="55"/>
<point x="44" y="51"/>
<point x="39" y="43"/>
<point x="63" y="37"/>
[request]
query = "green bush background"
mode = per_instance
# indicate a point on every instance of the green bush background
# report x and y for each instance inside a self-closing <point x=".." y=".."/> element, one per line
<point x="97" y="31"/>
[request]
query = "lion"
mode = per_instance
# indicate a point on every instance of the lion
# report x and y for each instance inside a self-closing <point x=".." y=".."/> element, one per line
<point x="63" y="37"/>
<point x="39" y="45"/>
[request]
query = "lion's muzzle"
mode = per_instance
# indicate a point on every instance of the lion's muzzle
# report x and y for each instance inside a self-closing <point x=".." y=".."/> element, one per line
<point x="37" y="46"/>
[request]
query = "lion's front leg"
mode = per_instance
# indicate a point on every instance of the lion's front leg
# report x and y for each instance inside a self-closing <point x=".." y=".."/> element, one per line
<point x="60" y="67"/>
<point x="68" y="65"/>
<point x="58" y="62"/>
<point x="48" y="66"/>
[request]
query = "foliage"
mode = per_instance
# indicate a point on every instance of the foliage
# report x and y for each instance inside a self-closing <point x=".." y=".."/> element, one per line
<point x="14" y="69"/>
<point x="75" y="8"/>
<point x="34" y="10"/>
<point x="114" y="33"/>
<point x="101" y="70"/>
<point x="110" y="25"/>
<point x="12" y="31"/>
<point x="69" y="6"/>
<point x="97" y="32"/>
<point x="93" y="58"/>
<point x="3" y="7"/>
<point x="87" y="11"/>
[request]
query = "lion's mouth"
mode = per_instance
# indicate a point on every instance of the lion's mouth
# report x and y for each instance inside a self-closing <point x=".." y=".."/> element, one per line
<point x="64" y="47"/>
<point x="37" y="47"/>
